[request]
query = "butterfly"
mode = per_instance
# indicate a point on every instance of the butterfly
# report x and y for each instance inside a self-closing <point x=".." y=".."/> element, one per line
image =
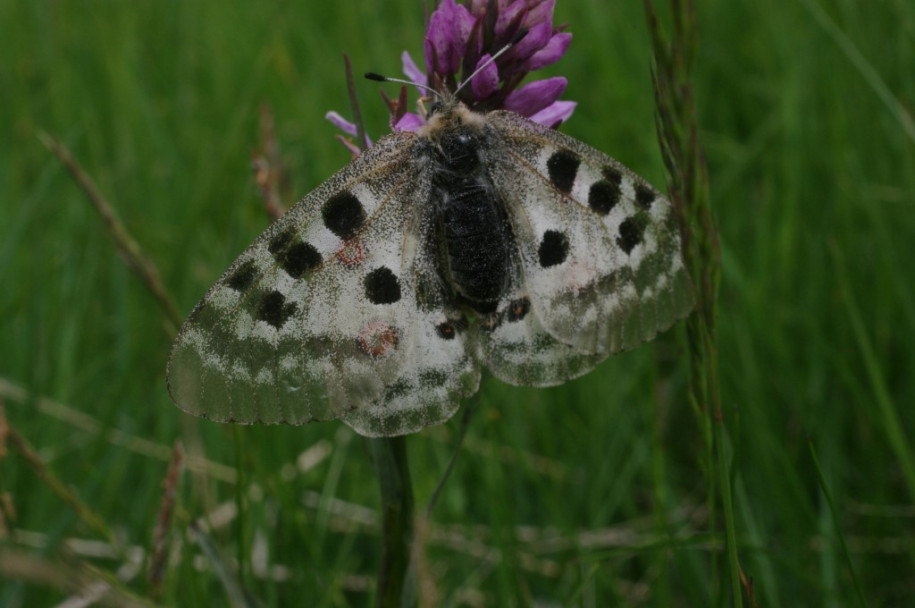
<point x="482" y="241"/>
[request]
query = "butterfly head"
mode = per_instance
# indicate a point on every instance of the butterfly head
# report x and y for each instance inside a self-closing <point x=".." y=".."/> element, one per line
<point x="452" y="127"/>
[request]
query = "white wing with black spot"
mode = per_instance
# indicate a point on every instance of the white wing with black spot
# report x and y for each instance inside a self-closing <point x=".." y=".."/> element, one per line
<point x="599" y="251"/>
<point x="333" y="312"/>
<point x="517" y="349"/>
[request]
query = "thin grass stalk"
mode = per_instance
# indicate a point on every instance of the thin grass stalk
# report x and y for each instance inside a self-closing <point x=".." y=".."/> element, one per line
<point x="126" y="244"/>
<point x="11" y="436"/>
<point x="242" y="548"/>
<point x="71" y="576"/>
<point x="145" y="270"/>
<point x="158" y="553"/>
<point x="836" y="520"/>
<point x="674" y="58"/>
<point x="236" y="594"/>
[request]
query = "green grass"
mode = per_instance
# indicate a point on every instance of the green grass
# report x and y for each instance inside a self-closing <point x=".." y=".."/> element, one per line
<point x="589" y="494"/>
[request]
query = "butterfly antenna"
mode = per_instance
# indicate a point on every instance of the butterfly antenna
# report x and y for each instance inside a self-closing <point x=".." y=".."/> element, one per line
<point x="381" y="78"/>
<point x="498" y="54"/>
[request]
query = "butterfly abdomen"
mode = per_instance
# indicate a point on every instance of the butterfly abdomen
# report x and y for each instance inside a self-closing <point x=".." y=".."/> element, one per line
<point x="473" y="229"/>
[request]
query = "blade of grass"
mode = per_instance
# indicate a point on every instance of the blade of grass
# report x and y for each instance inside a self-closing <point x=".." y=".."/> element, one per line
<point x="864" y="67"/>
<point x="835" y="518"/>
<point x="235" y="592"/>
<point x="44" y="472"/>
<point x="127" y="245"/>
<point x="892" y="425"/>
<point x="674" y="59"/>
<point x="157" y="555"/>
<point x="70" y="576"/>
<point x="89" y="425"/>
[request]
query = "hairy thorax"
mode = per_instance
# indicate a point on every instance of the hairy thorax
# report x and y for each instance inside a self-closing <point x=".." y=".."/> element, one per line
<point x="470" y="224"/>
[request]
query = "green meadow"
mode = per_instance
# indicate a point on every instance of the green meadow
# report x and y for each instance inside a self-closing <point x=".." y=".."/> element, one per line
<point x="600" y="492"/>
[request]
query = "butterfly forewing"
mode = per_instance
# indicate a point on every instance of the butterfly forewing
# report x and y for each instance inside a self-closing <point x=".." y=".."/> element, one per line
<point x="371" y="315"/>
<point x="318" y="318"/>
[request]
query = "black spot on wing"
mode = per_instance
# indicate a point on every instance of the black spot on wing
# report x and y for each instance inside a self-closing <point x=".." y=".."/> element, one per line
<point x="382" y="286"/>
<point x="447" y="330"/>
<point x="554" y="248"/>
<point x="612" y="175"/>
<point x="603" y="196"/>
<point x="631" y="231"/>
<point x="517" y="309"/>
<point x="275" y="310"/>
<point x="343" y="215"/>
<point x="294" y="256"/>
<point x="562" y="167"/>
<point x="280" y="241"/>
<point x="299" y="258"/>
<point x="243" y="276"/>
<point x="644" y="196"/>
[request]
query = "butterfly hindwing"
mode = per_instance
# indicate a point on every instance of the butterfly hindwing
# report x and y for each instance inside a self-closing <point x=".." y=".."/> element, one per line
<point x="516" y="348"/>
<point x="319" y="319"/>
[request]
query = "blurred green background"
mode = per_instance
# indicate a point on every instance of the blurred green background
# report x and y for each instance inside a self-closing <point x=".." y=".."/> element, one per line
<point x="590" y="494"/>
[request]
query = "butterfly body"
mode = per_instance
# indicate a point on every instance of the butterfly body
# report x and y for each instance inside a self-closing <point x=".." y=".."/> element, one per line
<point x="474" y="230"/>
<point x="482" y="241"/>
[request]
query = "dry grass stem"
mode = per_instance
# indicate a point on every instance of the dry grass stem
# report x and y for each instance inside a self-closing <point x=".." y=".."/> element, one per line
<point x="127" y="246"/>
<point x="269" y="174"/>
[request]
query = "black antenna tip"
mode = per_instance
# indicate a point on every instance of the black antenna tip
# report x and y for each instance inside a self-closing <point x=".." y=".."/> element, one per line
<point x="521" y="34"/>
<point x="374" y="76"/>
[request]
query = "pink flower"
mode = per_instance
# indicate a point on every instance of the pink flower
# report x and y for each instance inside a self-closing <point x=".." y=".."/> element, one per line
<point x="460" y="41"/>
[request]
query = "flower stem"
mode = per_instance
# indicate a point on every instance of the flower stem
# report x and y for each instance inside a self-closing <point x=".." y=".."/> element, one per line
<point x="674" y="59"/>
<point x="389" y="458"/>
